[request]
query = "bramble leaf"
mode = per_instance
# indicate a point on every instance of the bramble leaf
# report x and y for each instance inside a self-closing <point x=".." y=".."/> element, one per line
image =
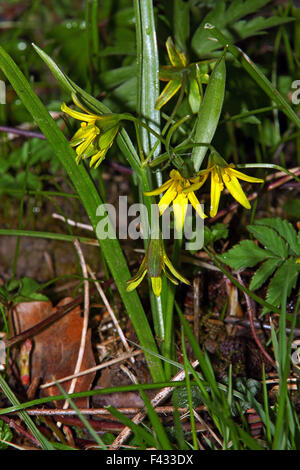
<point x="269" y="239"/>
<point x="245" y="254"/>
<point x="264" y="272"/>
<point x="285" y="230"/>
<point x="287" y="273"/>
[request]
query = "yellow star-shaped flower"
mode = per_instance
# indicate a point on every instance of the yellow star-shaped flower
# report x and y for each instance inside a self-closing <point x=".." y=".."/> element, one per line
<point x="224" y="174"/>
<point x="177" y="191"/>
<point x="95" y="135"/>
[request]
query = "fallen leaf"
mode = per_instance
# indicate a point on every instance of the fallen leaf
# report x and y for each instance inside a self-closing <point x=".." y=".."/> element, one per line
<point x="55" y="349"/>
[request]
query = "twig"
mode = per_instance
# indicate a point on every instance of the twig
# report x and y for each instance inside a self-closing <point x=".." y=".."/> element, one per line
<point x="122" y="357"/>
<point x="73" y="223"/>
<point x="252" y="326"/>
<point x="162" y="410"/>
<point x="110" y="311"/>
<point x="85" y="319"/>
<point x="138" y="418"/>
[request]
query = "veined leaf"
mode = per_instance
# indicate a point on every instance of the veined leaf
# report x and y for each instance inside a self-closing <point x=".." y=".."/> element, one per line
<point x="287" y="273"/>
<point x="244" y="255"/>
<point x="285" y="230"/>
<point x="264" y="272"/>
<point x="228" y="21"/>
<point x="269" y="239"/>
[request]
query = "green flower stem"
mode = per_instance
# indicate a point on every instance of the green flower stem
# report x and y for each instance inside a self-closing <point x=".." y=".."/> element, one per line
<point x="256" y="74"/>
<point x="148" y="92"/>
<point x="169" y="344"/>
<point x="91" y="201"/>
<point x="269" y="165"/>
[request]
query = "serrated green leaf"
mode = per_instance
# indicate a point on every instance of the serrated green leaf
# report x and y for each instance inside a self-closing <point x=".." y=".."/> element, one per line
<point x="270" y="239"/>
<point x="287" y="273"/>
<point x="285" y="230"/>
<point x="245" y="255"/>
<point x="264" y="272"/>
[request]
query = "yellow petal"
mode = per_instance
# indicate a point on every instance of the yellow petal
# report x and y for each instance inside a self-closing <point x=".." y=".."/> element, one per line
<point x="235" y="189"/>
<point x="137" y="279"/>
<point x="197" y="183"/>
<point x="173" y="270"/>
<point x="180" y="207"/>
<point x="177" y="59"/>
<point x="167" y="198"/>
<point x="159" y="190"/>
<point x="215" y="192"/>
<point x="243" y="177"/>
<point x="78" y="115"/>
<point x="98" y="157"/>
<point x="196" y="204"/>
<point x="170" y="89"/>
<point x="156" y="285"/>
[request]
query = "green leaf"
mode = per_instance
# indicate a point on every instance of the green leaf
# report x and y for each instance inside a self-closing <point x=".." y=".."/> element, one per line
<point x="264" y="272"/>
<point x="269" y="239"/>
<point x="287" y="273"/>
<point x="245" y="29"/>
<point x="245" y="255"/>
<point x="5" y="434"/>
<point x="28" y="292"/>
<point x="215" y="232"/>
<point x="223" y="19"/>
<point x="89" y="197"/>
<point x="285" y="230"/>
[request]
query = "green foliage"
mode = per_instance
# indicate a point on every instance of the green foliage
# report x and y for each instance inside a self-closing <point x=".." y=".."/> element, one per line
<point x="214" y="233"/>
<point x="281" y="248"/>
<point x="227" y="16"/>
<point x="5" y="434"/>
<point x="21" y="290"/>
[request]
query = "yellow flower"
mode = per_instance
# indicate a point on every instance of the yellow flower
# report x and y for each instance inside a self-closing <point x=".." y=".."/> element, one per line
<point x="181" y="72"/>
<point x="96" y="134"/>
<point x="222" y="173"/>
<point x="178" y="191"/>
<point x="154" y="262"/>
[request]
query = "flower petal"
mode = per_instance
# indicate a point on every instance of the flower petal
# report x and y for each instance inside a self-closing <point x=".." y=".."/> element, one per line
<point x="215" y="192"/>
<point x="173" y="270"/>
<point x="180" y="204"/>
<point x="137" y="279"/>
<point x="235" y="189"/>
<point x="196" y="204"/>
<point x="159" y="190"/>
<point x="177" y="59"/>
<point x="78" y="115"/>
<point x="156" y="285"/>
<point x="167" y="198"/>
<point x="170" y="89"/>
<point x="243" y="177"/>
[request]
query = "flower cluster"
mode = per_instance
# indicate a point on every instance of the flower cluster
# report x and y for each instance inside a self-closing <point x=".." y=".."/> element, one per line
<point x="182" y="73"/>
<point x="95" y="135"/>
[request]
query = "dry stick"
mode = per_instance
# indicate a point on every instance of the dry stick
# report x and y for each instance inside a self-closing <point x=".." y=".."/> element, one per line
<point x="158" y="398"/>
<point x="85" y="318"/>
<point x="122" y="357"/>
<point x="163" y="410"/>
<point x="72" y="222"/>
<point x="110" y="311"/>
<point x="252" y="326"/>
